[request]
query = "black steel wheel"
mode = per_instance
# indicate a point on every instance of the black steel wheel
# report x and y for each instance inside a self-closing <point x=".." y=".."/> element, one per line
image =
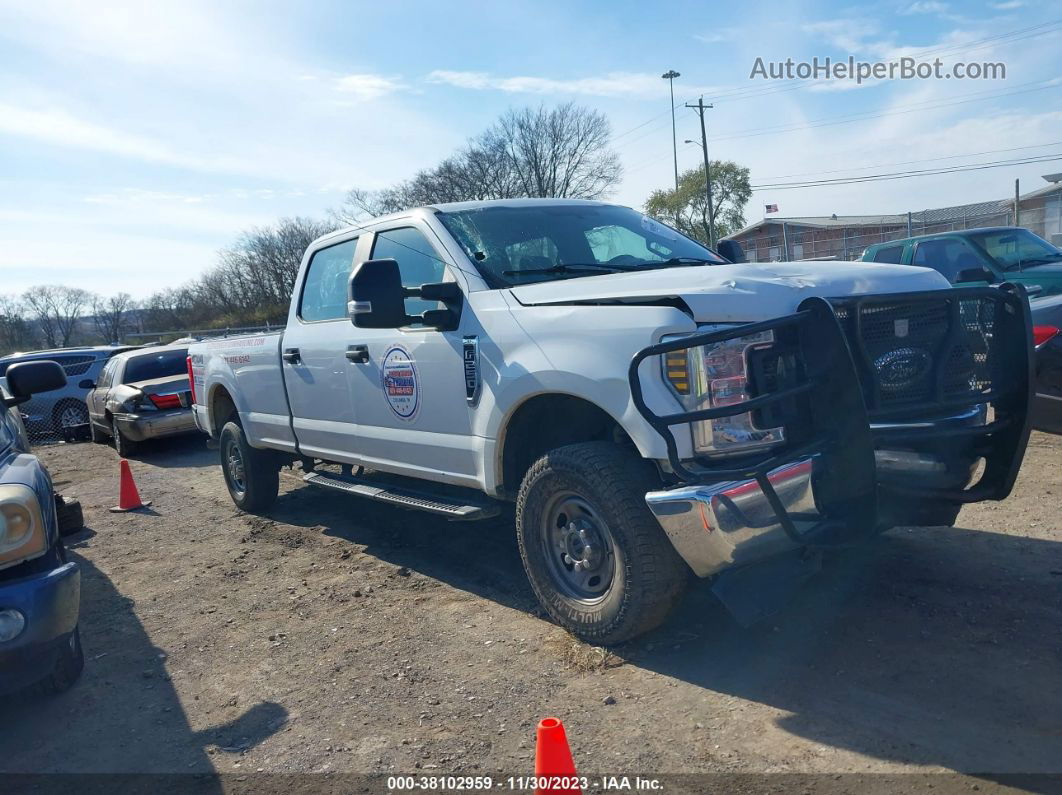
<point x="252" y="476"/>
<point x="597" y="559"/>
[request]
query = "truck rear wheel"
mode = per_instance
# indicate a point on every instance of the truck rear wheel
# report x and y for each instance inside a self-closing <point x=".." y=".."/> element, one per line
<point x="597" y="560"/>
<point x="252" y="476"/>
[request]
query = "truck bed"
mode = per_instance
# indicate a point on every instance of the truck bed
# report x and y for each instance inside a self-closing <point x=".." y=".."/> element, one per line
<point x="249" y="369"/>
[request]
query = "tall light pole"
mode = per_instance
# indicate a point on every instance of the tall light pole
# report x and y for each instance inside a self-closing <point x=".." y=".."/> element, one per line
<point x="700" y="107"/>
<point x="670" y="76"/>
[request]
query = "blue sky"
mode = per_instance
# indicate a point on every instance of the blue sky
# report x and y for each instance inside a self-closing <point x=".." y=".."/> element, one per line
<point x="137" y="139"/>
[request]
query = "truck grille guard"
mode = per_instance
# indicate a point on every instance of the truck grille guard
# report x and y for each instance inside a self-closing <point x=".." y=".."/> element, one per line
<point x="828" y="394"/>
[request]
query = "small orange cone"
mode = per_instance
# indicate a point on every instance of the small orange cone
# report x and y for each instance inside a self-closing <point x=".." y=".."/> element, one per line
<point x="128" y="496"/>
<point x="554" y="767"/>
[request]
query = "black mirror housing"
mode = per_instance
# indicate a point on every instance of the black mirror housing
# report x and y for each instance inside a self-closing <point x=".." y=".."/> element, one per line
<point x="29" y="378"/>
<point x="975" y="275"/>
<point x="731" y="250"/>
<point x="377" y="298"/>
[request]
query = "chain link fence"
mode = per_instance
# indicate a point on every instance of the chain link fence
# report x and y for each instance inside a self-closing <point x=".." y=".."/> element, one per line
<point x="845" y="239"/>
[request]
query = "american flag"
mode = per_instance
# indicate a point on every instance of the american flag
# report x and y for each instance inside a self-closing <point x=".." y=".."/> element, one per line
<point x="772" y="208"/>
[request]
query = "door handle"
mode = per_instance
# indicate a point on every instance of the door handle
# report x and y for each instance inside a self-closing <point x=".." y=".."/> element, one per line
<point x="291" y="355"/>
<point x="359" y="354"/>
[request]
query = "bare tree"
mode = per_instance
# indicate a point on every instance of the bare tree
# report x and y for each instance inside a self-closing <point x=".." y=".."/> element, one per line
<point x="561" y="152"/>
<point x="56" y="309"/>
<point x="14" y="330"/>
<point x="259" y="270"/>
<point x="109" y="315"/>
<point x="251" y="283"/>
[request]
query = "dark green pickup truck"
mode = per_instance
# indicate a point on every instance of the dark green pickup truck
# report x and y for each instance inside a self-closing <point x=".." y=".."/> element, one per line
<point x="976" y="256"/>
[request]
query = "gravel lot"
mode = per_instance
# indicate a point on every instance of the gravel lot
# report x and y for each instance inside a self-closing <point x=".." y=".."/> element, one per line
<point x="338" y="635"/>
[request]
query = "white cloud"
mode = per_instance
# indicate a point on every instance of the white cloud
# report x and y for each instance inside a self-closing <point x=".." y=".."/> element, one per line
<point x="1010" y="5"/>
<point x="718" y="35"/>
<point x="55" y="126"/>
<point x="926" y="7"/>
<point x="612" y="84"/>
<point x="368" y="86"/>
<point x="846" y="35"/>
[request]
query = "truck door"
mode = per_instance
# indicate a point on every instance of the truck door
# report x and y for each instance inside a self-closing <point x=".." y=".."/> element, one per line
<point x="413" y="412"/>
<point x="313" y="351"/>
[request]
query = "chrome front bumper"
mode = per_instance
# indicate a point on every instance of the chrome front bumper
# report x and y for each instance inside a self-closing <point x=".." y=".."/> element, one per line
<point x="139" y="427"/>
<point x="714" y="527"/>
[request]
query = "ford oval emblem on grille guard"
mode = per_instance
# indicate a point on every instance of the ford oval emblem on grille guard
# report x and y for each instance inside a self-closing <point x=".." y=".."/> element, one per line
<point x="902" y="368"/>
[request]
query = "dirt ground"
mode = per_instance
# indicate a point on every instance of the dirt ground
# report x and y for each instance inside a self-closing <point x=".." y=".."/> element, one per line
<point x="337" y="635"/>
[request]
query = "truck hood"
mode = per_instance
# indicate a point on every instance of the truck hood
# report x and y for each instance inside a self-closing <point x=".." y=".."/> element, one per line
<point x="737" y="292"/>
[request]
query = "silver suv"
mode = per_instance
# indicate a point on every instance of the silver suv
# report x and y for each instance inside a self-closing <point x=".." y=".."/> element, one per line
<point x="63" y="413"/>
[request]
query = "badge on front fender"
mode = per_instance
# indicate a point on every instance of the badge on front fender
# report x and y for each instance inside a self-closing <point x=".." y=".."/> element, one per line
<point x="470" y="359"/>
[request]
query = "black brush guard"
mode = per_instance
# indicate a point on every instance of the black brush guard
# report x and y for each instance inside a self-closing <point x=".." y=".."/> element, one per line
<point x="822" y="404"/>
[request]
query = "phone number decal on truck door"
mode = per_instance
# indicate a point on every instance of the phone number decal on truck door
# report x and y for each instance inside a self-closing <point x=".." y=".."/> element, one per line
<point x="400" y="387"/>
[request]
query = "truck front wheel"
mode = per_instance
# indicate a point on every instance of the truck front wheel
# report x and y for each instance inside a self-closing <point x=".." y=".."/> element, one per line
<point x="252" y="476"/>
<point x="597" y="559"/>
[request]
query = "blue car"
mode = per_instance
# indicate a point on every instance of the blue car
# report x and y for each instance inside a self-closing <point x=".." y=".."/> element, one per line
<point x="40" y="590"/>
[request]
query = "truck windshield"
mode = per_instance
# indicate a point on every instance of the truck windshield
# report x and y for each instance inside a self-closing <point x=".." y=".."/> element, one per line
<point x="523" y="245"/>
<point x="1015" y="249"/>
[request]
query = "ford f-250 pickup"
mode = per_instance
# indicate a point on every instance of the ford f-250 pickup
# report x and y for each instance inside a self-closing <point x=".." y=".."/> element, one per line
<point x="651" y="409"/>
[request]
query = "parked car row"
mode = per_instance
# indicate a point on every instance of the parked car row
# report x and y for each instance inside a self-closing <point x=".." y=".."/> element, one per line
<point x="125" y="393"/>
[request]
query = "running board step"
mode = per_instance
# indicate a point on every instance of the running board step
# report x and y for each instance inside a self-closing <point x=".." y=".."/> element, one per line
<point x="441" y="504"/>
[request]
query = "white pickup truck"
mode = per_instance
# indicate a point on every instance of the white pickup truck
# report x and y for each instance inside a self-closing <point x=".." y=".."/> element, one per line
<point x="652" y="409"/>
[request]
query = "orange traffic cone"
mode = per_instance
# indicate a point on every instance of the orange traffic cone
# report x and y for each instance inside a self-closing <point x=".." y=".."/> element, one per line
<point x="554" y="767"/>
<point x="128" y="496"/>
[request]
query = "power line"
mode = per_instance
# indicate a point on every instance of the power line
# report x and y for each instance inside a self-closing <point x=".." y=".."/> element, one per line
<point x="912" y="162"/>
<point x="908" y="174"/>
<point x="751" y="92"/>
<point x="830" y="121"/>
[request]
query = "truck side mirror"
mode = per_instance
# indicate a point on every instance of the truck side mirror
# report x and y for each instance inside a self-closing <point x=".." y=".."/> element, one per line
<point x="730" y="250"/>
<point x="28" y="378"/>
<point x="975" y="275"/>
<point x="377" y="298"/>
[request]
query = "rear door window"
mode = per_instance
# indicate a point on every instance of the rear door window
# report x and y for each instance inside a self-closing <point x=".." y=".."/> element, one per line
<point x="107" y="374"/>
<point x="890" y="254"/>
<point x="950" y="257"/>
<point x="324" y="290"/>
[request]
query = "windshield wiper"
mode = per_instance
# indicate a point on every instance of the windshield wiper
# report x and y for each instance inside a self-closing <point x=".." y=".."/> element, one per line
<point x="675" y="262"/>
<point x="574" y="267"/>
<point x="1036" y="261"/>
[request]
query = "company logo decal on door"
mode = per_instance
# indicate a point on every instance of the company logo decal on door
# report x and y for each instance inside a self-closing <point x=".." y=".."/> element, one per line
<point x="400" y="386"/>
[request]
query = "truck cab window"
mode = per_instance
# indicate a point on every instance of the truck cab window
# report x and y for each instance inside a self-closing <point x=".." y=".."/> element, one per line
<point x="890" y="254"/>
<point x="950" y="257"/>
<point x="417" y="262"/>
<point x="324" y="294"/>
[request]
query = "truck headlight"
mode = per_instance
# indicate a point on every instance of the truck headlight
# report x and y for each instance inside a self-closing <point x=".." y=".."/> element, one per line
<point x="711" y="376"/>
<point x="22" y="532"/>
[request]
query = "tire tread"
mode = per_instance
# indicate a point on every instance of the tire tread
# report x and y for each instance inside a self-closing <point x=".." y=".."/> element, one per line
<point x="620" y="480"/>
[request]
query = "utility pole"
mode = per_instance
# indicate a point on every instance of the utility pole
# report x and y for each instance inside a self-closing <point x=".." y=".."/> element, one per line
<point x="1017" y="204"/>
<point x="670" y="76"/>
<point x="700" y="107"/>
